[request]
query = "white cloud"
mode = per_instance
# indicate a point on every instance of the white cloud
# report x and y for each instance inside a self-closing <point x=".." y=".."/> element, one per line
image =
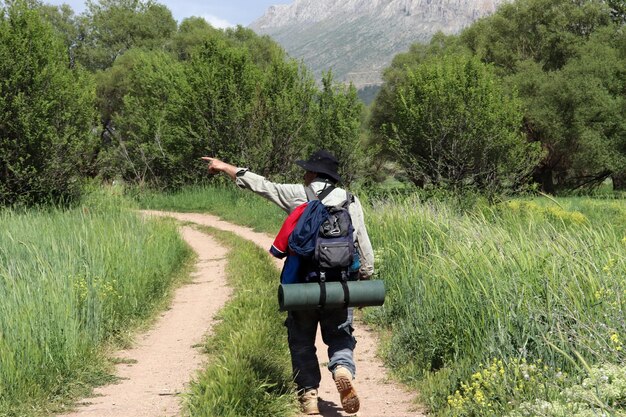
<point x="217" y="22"/>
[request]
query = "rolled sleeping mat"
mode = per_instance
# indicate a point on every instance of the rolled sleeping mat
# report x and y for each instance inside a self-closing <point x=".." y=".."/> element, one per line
<point x="307" y="296"/>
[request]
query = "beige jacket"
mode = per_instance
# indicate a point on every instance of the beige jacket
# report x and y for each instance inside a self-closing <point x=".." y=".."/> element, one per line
<point x="290" y="196"/>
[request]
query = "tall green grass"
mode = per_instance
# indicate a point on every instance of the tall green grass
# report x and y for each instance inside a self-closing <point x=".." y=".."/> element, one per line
<point x="518" y="283"/>
<point x="249" y="373"/>
<point x="69" y="281"/>
<point x="514" y="308"/>
<point x="599" y="211"/>
<point x="228" y="202"/>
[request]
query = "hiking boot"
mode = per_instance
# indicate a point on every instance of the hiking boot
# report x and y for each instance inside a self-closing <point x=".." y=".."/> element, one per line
<point x="349" y="399"/>
<point x="308" y="402"/>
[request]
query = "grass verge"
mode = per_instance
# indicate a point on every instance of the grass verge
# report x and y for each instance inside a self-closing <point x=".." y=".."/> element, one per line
<point x="249" y="373"/>
<point x="505" y="309"/>
<point x="71" y="283"/>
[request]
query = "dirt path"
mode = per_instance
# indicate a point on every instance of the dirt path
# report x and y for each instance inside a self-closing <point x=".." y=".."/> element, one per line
<point x="165" y="358"/>
<point x="379" y="397"/>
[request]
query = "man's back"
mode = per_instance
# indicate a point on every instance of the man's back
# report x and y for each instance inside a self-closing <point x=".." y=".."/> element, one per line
<point x="289" y="196"/>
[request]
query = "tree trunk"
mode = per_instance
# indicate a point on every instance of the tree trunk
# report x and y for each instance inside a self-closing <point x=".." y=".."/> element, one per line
<point x="543" y="176"/>
<point x="619" y="181"/>
<point x="418" y="181"/>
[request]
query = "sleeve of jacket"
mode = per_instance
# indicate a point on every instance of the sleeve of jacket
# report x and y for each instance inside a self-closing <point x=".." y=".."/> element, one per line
<point x="285" y="196"/>
<point x="366" y="252"/>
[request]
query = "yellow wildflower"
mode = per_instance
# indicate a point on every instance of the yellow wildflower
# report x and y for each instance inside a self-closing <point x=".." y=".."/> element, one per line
<point x="617" y="342"/>
<point x="609" y="265"/>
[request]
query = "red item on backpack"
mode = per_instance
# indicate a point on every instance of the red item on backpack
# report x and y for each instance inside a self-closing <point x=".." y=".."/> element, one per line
<point x="280" y="247"/>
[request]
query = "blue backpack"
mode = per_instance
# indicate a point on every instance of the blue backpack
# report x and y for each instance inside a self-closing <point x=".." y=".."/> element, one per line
<point x="323" y="239"/>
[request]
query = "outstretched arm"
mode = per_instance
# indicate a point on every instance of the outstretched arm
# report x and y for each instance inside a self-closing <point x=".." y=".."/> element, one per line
<point x="215" y="166"/>
<point x="285" y="196"/>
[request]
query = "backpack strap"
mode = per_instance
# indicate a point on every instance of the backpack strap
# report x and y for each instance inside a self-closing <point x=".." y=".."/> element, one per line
<point x="349" y="199"/>
<point x="346" y="290"/>
<point x="344" y="284"/>
<point x="325" y="192"/>
<point x="322" y="283"/>
<point x="310" y="194"/>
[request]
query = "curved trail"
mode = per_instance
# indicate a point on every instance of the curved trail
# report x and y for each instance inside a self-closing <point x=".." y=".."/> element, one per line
<point x="164" y="359"/>
<point x="379" y="397"/>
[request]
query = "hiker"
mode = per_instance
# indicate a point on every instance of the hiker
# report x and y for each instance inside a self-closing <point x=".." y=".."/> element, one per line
<point x="321" y="175"/>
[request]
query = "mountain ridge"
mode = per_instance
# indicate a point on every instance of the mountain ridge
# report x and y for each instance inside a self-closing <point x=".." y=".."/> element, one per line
<point x="357" y="39"/>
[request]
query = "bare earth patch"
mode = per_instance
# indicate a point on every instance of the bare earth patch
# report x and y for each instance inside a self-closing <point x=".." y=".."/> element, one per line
<point x="165" y="359"/>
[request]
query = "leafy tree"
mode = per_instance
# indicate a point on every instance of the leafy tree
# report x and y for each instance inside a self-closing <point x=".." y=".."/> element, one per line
<point x="227" y="93"/>
<point x="112" y="27"/>
<point x="545" y="31"/>
<point x="65" y="23"/>
<point x="565" y="60"/>
<point x="398" y="72"/>
<point x="263" y="50"/>
<point x="578" y="115"/>
<point x="148" y="90"/>
<point x="453" y="125"/>
<point x="46" y="111"/>
<point x="562" y="58"/>
<point x="161" y="114"/>
<point x="336" y="127"/>
<point x="112" y="85"/>
<point x="280" y="118"/>
<point x="192" y="33"/>
<point x="224" y="83"/>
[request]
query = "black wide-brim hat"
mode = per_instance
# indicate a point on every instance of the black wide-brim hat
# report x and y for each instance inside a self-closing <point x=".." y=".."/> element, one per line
<point x="322" y="162"/>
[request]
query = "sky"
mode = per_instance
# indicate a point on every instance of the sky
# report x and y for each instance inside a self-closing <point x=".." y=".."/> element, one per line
<point x="220" y="13"/>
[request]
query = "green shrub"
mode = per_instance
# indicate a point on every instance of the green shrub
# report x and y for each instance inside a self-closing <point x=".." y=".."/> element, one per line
<point x="451" y="123"/>
<point x="46" y="111"/>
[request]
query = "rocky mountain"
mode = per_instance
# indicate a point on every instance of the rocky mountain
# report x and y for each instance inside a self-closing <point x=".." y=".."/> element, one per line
<point x="357" y="39"/>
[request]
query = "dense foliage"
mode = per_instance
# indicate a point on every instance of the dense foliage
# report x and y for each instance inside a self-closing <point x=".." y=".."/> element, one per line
<point x="166" y="95"/>
<point x="109" y="28"/>
<point x="451" y="124"/>
<point x="169" y="93"/>
<point x="566" y="60"/>
<point x="141" y="98"/>
<point x="46" y="111"/>
<point x="233" y="95"/>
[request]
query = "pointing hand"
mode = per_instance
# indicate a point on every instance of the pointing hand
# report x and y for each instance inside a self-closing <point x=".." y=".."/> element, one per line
<point x="215" y="166"/>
